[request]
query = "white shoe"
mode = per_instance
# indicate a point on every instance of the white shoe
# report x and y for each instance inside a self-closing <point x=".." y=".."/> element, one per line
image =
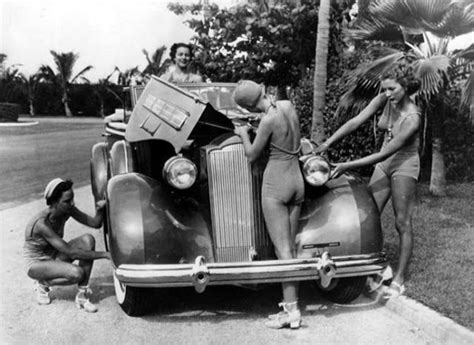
<point x="82" y="300"/>
<point x="376" y="281"/>
<point x="286" y="318"/>
<point x="42" y="293"/>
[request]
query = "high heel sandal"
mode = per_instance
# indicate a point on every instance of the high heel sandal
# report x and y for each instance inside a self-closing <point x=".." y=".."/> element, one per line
<point x="42" y="293"/>
<point x="82" y="300"/>
<point x="395" y="289"/>
<point x="286" y="318"/>
<point x="377" y="280"/>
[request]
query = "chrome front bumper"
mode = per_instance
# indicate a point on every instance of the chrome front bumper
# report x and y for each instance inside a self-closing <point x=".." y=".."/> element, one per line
<point x="200" y="274"/>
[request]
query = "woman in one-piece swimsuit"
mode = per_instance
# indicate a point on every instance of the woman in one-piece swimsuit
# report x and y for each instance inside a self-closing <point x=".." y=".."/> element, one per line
<point x="282" y="187"/>
<point x="398" y="163"/>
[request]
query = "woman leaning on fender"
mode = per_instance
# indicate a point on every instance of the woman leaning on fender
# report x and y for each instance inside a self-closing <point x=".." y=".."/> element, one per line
<point x="397" y="164"/>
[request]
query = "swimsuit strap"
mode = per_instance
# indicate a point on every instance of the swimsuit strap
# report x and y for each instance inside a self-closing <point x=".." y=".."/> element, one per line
<point x="34" y="223"/>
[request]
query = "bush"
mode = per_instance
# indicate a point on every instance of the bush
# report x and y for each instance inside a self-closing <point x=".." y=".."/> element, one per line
<point x="366" y="139"/>
<point x="458" y="134"/>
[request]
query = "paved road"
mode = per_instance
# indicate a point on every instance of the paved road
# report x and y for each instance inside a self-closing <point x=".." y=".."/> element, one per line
<point x="30" y="156"/>
<point x="223" y="315"/>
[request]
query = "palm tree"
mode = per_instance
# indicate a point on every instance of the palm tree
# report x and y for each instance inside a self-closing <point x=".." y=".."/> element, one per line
<point x="155" y="65"/>
<point x="10" y="82"/>
<point x="3" y="57"/>
<point x="32" y="83"/>
<point x="126" y="77"/>
<point x="426" y="27"/>
<point x="320" y="72"/>
<point x="63" y="78"/>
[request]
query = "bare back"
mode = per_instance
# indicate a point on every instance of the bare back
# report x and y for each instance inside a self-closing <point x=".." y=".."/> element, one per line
<point x="285" y="126"/>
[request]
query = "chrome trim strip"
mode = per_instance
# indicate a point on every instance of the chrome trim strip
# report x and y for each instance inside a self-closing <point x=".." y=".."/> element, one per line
<point x="115" y="132"/>
<point x="271" y="271"/>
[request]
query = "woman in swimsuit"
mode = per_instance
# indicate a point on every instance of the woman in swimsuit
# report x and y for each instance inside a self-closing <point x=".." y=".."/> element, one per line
<point x="181" y="55"/>
<point x="49" y="258"/>
<point x="282" y="187"/>
<point x="398" y="162"/>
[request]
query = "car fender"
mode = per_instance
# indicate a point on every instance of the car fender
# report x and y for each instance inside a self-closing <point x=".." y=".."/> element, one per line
<point x="99" y="170"/>
<point x="147" y="226"/>
<point x="340" y="217"/>
<point x="121" y="158"/>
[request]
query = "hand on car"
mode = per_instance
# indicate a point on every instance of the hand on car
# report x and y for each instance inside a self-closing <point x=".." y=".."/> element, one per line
<point x="242" y="130"/>
<point x="321" y="148"/>
<point x="338" y="169"/>
<point x="100" y="205"/>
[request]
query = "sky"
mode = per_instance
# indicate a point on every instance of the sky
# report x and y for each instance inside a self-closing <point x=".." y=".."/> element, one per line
<point x="105" y="33"/>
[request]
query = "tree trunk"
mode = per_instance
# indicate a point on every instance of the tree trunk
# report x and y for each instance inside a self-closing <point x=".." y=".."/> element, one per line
<point x="32" y="108"/>
<point x="281" y="93"/>
<point x="320" y="72"/>
<point x="438" y="167"/>
<point x="67" y="110"/>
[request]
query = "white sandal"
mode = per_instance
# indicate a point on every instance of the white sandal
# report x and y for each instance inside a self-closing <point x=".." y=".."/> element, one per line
<point x="378" y="279"/>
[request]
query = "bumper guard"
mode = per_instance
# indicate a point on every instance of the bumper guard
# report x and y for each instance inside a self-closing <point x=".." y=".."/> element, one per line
<point x="201" y="274"/>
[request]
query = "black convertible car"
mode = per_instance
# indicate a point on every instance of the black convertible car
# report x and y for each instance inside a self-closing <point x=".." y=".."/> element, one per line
<point x="183" y="204"/>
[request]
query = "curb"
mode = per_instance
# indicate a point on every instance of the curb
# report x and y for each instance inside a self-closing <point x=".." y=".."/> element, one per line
<point x="441" y="328"/>
<point x="20" y="123"/>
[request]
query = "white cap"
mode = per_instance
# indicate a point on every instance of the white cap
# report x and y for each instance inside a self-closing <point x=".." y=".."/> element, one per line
<point x="51" y="186"/>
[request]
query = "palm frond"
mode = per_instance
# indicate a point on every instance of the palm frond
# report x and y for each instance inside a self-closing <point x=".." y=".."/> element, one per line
<point x="47" y="74"/>
<point x="81" y="73"/>
<point x="441" y="17"/>
<point x="467" y="53"/>
<point x="431" y="72"/>
<point x="467" y="97"/>
<point x="64" y="64"/>
<point x="458" y="20"/>
<point x="366" y="83"/>
<point x="374" y="29"/>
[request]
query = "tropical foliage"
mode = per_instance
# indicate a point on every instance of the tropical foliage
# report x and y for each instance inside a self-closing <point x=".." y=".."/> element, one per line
<point x="156" y="64"/>
<point x="274" y="45"/>
<point x="426" y="27"/>
<point x="63" y="77"/>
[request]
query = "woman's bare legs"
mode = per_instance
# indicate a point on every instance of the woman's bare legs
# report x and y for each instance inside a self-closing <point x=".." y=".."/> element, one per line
<point x="380" y="187"/>
<point x="403" y="191"/>
<point x="282" y="223"/>
<point x="403" y="200"/>
<point x="62" y="271"/>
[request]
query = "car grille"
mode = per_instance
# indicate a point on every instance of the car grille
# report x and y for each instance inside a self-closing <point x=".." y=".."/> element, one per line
<point x="238" y="225"/>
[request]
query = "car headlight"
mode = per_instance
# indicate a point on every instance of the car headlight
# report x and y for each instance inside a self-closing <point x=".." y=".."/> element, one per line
<point x="180" y="172"/>
<point x="316" y="170"/>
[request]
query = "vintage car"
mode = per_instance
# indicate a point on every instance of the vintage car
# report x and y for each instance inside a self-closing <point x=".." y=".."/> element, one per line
<point x="183" y="204"/>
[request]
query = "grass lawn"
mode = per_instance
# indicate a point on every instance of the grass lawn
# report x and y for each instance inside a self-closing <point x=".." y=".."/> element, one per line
<point x="441" y="272"/>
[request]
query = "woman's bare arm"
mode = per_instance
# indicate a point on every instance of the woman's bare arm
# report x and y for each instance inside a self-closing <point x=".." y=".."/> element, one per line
<point x="355" y="122"/>
<point x="255" y="149"/>
<point x="409" y="127"/>
<point x="92" y="221"/>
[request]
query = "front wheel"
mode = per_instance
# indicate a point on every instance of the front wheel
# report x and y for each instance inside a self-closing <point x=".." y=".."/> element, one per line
<point x="134" y="301"/>
<point x="344" y="290"/>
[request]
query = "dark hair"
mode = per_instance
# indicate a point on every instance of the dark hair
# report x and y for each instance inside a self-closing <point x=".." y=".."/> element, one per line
<point x="58" y="192"/>
<point x="175" y="47"/>
<point x="402" y="72"/>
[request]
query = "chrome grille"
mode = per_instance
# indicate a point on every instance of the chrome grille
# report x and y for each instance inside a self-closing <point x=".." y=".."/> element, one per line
<point x="237" y="219"/>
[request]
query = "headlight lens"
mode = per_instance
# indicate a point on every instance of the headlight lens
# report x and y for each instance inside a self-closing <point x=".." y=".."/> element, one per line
<point x="316" y="170"/>
<point x="180" y="172"/>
